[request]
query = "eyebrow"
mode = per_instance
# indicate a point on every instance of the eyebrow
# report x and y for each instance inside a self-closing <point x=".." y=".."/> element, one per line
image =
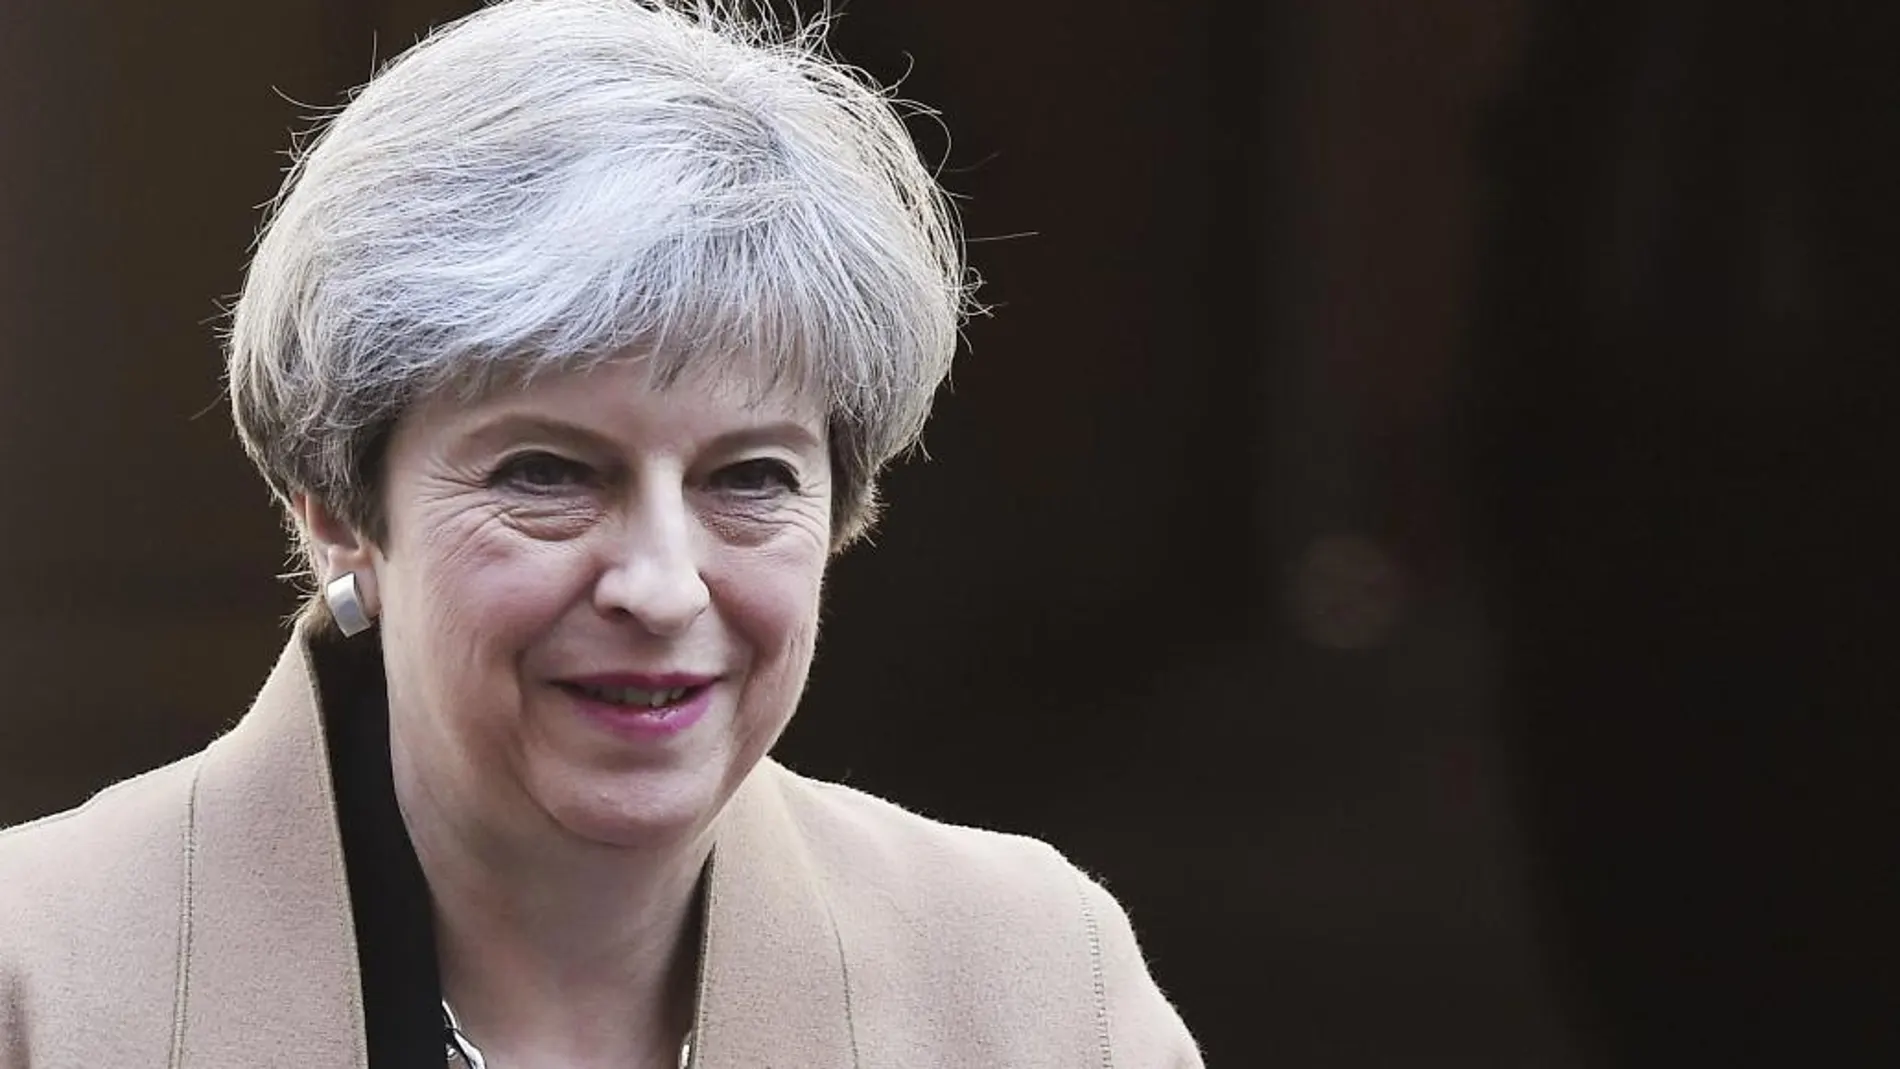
<point x="779" y="432"/>
<point x="787" y="433"/>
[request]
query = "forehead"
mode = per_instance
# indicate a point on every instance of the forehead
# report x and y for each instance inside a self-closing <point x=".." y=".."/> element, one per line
<point x="634" y="392"/>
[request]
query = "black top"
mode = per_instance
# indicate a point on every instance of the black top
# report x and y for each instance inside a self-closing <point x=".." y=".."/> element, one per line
<point x="389" y="898"/>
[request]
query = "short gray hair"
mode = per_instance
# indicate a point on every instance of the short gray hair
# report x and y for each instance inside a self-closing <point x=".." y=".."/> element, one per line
<point x="545" y="184"/>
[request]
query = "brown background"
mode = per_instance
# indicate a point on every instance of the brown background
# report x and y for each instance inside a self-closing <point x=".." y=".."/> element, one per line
<point x="1409" y="525"/>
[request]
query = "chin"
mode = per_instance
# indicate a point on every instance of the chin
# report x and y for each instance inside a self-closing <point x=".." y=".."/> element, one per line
<point x="646" y="815"/>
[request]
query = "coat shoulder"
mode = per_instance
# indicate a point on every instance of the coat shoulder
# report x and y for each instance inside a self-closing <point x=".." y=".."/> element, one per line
<point x="92" y="894"/>
<point x="90" y="907"/>
<point x="967" y="932"/>
<point x="86" y="848"/>
<point x="876" y="843"/>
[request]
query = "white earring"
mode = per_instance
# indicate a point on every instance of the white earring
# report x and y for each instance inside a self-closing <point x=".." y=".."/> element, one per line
<point x="346" y="604"/>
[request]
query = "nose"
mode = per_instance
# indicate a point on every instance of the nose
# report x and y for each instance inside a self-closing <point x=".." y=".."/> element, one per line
<point x="652" y="576"/>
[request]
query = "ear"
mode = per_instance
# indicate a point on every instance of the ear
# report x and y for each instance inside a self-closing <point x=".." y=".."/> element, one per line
<point x="336" y="549"/>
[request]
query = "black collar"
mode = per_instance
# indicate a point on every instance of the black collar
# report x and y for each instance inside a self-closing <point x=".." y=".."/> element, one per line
<point x="389" y="897"/>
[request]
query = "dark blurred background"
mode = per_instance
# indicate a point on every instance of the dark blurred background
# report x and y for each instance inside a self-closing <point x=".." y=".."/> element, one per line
<point x="1412" y="524"/>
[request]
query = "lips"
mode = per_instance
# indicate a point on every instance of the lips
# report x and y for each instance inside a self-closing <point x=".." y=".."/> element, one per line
<point x="639" y="692"/>
<point x="645" y="711"/>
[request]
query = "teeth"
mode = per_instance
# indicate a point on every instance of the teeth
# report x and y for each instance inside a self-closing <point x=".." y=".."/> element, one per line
<point x="653" y="699"/>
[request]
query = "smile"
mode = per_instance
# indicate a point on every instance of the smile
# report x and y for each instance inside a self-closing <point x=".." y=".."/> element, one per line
<point x="635" y="696"/>
<point x="645" y="708"/>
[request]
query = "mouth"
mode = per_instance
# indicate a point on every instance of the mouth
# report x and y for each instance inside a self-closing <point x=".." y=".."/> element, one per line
<point x="643" y="708"/>
<point x="636" y="699"/>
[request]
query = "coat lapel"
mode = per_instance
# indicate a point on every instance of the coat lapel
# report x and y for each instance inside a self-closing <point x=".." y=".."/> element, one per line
<point x="774" y="992"/>
<point x="269" y="951"/>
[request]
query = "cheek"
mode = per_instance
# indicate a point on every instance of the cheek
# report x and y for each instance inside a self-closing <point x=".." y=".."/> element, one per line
<point x="480" y="591"/>
<point x="772" y="601"/>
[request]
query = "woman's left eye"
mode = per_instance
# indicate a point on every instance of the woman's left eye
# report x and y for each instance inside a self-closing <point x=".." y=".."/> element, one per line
<point x="757" y="477"/>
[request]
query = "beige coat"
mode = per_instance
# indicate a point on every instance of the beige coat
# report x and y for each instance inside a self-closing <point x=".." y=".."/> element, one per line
<point x="198" y="917"/>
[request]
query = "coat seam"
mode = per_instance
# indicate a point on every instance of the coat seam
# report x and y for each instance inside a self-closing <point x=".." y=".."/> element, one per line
<point x="181" y="984"/>
<point x="1098" y="976"/>
<point x="844" y="978"/>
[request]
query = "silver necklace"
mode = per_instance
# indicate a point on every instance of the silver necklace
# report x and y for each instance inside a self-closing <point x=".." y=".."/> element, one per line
<point x="463" y="1049"/>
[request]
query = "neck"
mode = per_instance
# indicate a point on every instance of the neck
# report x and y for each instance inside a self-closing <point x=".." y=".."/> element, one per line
<point x="555" y="951"/>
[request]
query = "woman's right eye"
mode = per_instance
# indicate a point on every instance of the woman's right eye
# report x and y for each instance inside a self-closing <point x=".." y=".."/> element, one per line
<point x="540" y="472"/>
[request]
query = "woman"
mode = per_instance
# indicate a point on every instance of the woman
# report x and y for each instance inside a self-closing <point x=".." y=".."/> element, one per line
<point x="573" y="350"/>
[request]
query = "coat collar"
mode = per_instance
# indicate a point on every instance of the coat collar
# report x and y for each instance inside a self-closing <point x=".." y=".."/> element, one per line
<point x="268" y="958"/>
<point x="773" y="985"/>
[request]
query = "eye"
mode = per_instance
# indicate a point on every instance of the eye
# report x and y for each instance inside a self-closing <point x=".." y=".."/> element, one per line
<point x="757" y="478"/>
<point x="540" y="472"/>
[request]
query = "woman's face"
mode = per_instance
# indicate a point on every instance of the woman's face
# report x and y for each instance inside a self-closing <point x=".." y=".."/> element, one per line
<point x="598" y="599"/>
